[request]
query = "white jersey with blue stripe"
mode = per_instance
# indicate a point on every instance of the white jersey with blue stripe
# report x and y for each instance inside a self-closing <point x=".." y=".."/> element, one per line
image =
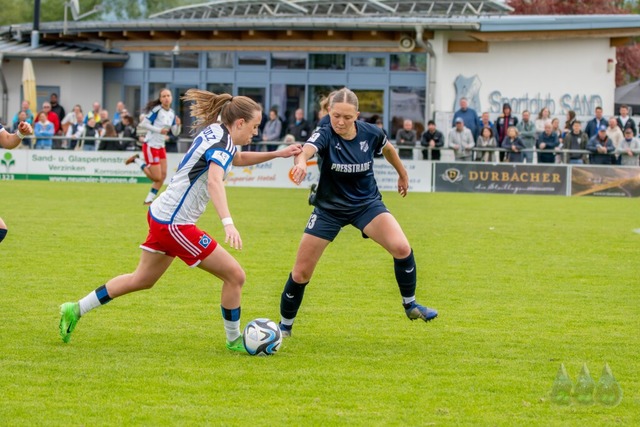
<point x="187" y="196"/>
<point x="158" y="118"/>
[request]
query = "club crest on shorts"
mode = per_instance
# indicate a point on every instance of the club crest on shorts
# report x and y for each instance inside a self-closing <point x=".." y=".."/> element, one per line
<point x="204" y="241"/>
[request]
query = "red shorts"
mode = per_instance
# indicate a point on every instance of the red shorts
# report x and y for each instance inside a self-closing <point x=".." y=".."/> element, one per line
<point x="186" y="242"/>
<point x="152" y="155"/>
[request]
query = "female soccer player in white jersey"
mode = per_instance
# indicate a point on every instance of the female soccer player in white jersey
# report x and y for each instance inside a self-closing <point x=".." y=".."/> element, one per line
<point x="347" y="193"/>
<point x="172" y="216"/>
<point x="160" y="119"/>
<point x="9" y="141"/>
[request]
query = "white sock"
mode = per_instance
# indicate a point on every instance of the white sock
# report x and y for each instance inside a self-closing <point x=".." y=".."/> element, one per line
<point x="232" y="329"/>
<point x="408" y="300"/>
<point x="89" y="302"/>
<point x="138" y="161"/>
<point x="286" y="322"/>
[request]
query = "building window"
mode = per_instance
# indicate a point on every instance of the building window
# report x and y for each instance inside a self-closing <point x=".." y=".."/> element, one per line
<point x="186" y="60"/>
<point x="252" y="60"/>
<point x="220" y="88"/>
<point x="368" y="62"/>
<point x="327" y="61"/>
<point x="220" y="60"/>
<point x="289" y="60"/>
<point x="160" y="60"/>
<point x="406" y="103"/>
<point x="408" y="62"/>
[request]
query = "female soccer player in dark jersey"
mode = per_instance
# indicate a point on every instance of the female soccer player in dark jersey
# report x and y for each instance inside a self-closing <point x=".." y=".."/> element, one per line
<point x="172" y="216"/>
<point x="347" y="193"/>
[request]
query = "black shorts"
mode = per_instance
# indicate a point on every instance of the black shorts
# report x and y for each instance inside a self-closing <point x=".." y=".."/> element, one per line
<point x="326" y="225"/>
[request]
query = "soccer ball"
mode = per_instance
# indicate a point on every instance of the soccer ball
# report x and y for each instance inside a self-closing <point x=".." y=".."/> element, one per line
<point x="261" y="337"/>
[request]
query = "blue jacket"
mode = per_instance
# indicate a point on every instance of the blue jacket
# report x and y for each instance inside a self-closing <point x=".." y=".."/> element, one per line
<point x="470" y="119"/>
<point x="551" y="142"/>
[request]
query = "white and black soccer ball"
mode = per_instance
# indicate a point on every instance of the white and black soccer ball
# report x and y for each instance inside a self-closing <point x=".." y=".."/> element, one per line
<point x="261" y="337"/>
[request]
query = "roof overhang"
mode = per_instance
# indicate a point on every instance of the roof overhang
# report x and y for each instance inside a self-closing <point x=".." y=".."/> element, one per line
<point x="60" y="51"/>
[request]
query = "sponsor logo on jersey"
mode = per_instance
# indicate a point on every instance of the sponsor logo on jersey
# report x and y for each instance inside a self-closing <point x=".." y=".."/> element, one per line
<point x="204" y="241"/>
<point x="351" y="168"/>
<point x="313" y="137"/>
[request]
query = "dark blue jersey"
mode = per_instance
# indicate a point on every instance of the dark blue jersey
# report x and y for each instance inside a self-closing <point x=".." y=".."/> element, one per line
<point x="346" y="167"/>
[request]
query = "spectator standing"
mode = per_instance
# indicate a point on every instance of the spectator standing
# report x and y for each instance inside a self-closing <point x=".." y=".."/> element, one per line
<point x="615" y="134"/>
<point x="460" y="140"/>
<point x="469" y="117"/>
<point x="76" y="130"/>
<point x="485" y="122"/>
<point x="548" y="141"/>
<point x="43" y="130"/>
<point x="51" y="116"/>
<point x="67" y="122"/>
<point x="127" y="129"/>
<point x="544" y="117"/>
<point x="120" y="111"/>
<point x="24" y="107"/>
<point x="514" y="145"/>
<point x="94" y="113"/>
<point x="432" y="138"/>
<point x="629" y="149"/>
<point x="272" y="129"/>
<point x="594" y="124"/>
<point x="576" y="140"/>
<point x="601" y="148"/>
<point x="568" y="125"/>
<point x="486" y="140"/>
<point x="504" y="122"/>
<point x="626" y="122"/>
<point x="90" y="136"/>
<point x="527" y="130"/>
<point x="406" y="137"/>
<point x="59" y="110"/>
<point x="299" y="128"/>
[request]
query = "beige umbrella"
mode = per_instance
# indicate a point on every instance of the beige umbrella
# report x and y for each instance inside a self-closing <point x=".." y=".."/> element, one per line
<point x="29" y="84"/>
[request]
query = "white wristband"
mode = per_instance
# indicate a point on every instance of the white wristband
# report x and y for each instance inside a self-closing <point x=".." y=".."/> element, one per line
<point x="19" y="134"/>
<point x="227" y="221"/>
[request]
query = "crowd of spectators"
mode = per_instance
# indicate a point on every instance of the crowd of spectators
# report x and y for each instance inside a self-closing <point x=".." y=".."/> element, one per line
<point x="472" y="136"/>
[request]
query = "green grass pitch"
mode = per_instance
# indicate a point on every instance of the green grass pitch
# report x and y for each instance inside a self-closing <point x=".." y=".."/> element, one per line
<point x="522" y="284"/>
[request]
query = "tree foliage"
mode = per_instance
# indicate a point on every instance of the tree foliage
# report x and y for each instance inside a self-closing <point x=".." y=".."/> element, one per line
<point x="627" y="57"/>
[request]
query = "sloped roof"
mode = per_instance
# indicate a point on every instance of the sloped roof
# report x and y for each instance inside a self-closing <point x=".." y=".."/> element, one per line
<point x="69" y="51"/>
<point x="279" y="8"/>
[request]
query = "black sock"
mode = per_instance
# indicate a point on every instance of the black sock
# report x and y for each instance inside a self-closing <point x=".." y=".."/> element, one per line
<point x="291" y="298"/>
<point x="3" y="233"/>
<point x="405" y="270"/>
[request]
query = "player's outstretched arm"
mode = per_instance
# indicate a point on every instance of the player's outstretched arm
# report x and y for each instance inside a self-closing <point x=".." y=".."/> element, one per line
<point x="389" y="152"/>
<point x="250" y="158"/>
<point x="12" y="140"/>
<point x="218" y="195"/>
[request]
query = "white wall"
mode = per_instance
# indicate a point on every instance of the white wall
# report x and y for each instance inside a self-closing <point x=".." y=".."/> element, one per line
<point x="519" y="69"/>
<point x="80" y="82"/>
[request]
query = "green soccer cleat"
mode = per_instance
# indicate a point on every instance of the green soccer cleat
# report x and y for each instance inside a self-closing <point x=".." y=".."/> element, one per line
<point x="236" y="345"/>
<point x="69" y="316"/>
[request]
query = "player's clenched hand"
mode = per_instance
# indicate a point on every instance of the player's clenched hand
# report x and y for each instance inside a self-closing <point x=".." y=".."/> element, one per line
<point x="403" y="186"/>
<point x="25" y="128"/>
<point x="299" y="172"/>
<point x="232" y="237"/>
<point x="291" y="150"/>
